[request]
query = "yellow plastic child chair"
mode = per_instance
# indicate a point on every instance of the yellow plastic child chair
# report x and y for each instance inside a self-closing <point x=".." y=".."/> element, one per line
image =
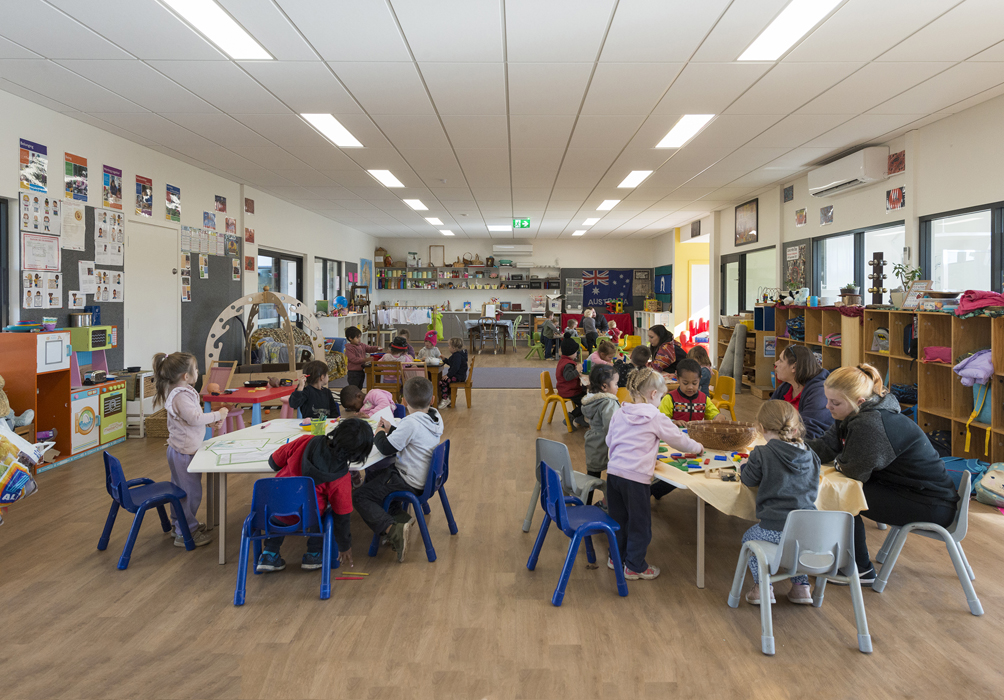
<point x="724" y="395"/>
<point x="631" y="342"/>
<point x="552" y="399"/>
<point x="623" y="395"/>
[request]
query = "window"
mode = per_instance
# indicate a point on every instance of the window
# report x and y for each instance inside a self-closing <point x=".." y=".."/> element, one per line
<point x="761" y="275"/>
<point x="4" y="268"/>
<point x="280" y="273"/>
<point x="836" y="264"/>
<point x="327" y="279"/>
<point x="745" y="276"/>
<point x="889" y="241"/>
<point x="961" y="251"/>
<point x="730" y="291"/>
<point x="842" y="259"/>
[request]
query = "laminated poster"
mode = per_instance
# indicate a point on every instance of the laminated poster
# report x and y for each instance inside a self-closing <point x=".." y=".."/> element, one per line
<point x="173" y="210"/>
<point x="40" y="213"/>
<point x="249" y="235"/>
<point x="186" y="288"/>
<point x="186" y="239"/>
<point x="249" y="263"/>
<point x="39" y="252"/>
<point x="42" y="290"/>
<point x="236" y="265"/>
<point x="186" y="264"/>
<point x="231" y="225"/>
<point x="73" y="226"/>
<point x="75" y="299"/>
<point x="248" y="206"/>
<point x="108" y="253"/>
<point x="221" y="245"/>
<point x="34" y="166"/>
<point x="203" y="267"/>
<point x="86" y="279"/>
<point x="209" y="220"/>
<point x="221" y="204"/>
<point x="233" y="245"/>
<point x="144" y="196"/>
<point x="112" y="187"/>
<point x="110" y="285"/>
<point x="75" y="177"/>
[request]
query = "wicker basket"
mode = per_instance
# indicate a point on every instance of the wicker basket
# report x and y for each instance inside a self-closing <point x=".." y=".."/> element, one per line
<point x="156" y="424"/>
<point x="722" y="435"/>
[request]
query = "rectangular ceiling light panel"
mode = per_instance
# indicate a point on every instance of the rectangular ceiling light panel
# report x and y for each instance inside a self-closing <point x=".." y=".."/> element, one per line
<point x="332" y="130"/>
<point x="434" y="221"/>
<point x="446" y="232"/>
<point x="634" y="178"/>
<point x="589" y="222"/>
<point x="685" y="129"/>
<point x="210" y="20"/>
<point x="386" y="178"/>
<point x="578" y="233"/>
<point x="608" y="204"/>
<point x="415" y="204"/>
<point x="794" y="22"/>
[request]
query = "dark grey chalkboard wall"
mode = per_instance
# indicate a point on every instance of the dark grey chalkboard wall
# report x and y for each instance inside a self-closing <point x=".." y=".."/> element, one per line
<point x="112" y="314"/>
<point x="209" y="298"/>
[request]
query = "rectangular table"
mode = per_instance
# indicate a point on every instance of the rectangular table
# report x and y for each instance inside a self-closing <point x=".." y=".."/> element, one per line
<point x="254" y="396"/>
<point x="509" y="331"/>
<point x="431" y="371"/>
<point x="206" y="462"/>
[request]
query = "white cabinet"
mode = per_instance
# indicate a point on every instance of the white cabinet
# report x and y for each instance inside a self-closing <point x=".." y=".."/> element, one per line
<point x="54" y="351"/>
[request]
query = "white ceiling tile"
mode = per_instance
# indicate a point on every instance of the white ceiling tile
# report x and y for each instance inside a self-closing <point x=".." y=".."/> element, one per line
<point x="466" y="88"/>
<point x="737" y="29"/>
<point x="384" y="159"/>
<point x="139" y="83"/>
<point x="628" y="88"/>
<point x="484" y="194"/>
<point x="796" y="129"/>
<point x="605" y="131"/>
<point x="858" y="129"/>
<point x="749" y="158"/>
<point x="223" y="84"/>
<point x="423" y="23"/>
<point x="219" y="128"/>
<point x="970" y="101"/>
<point x="348" y="30"/>
<point x="555" y="31"/>
<point x="733" y="130"/>
<point x="306" y="87"/>
<point x="690" y="93"/>
<point x="33" y="96"/>
<point x="434" y="165"/>
<point x="260" y="177"/>
<point x="994" y="53"/>
<point x="385" y="88"/>
<point x="8" y="49"/>
<point x="659" y="31"/>
<point x="798" y="158"/>
<point x="530" y="159"/>
<point x="271" y="157"/>
<point x="547" y="88"/>
<point x="944" y="89"/>
<point x="966" y="29"/>
<point x="696" y="159"/>
<point x="533" y="179"/>
<point x="872" y="85"/>
<point x="716" y="176"/>
<point x="790" y="85"/>
<point x="110" y="128"/>
<point x="273" y="30"/>
<point x="45" y="30"/>
<point x="484" y="131"/>
<point x="412" y="130"/>
<point x="540" y="130"/>
<point x="155" y="126"/>
<point x="57" y="83"/>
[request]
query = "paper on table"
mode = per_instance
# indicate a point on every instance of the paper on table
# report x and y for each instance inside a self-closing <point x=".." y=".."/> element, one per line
<point x="244" y="457"/>
<point x="387" y="413"/>
<point x="238" y="445"/>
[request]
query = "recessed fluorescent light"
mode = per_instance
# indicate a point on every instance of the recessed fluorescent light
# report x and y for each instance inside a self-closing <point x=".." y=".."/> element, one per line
<point x="332" y="130"/>
<point x="434" y="221"/>
<point x="210" y="20"/>
<point x="685" y="129"/>
<point x="608" y="204"/>
<point x="445" y="232"/>
<point x="500" y="228"/>
<point x="415" y="204"/>
<point x="578" y="233"/>
<point x="386" y="178"/>
<point x="792" y="24"/>
<point x="589" y="222"/>
<point x="635" y="178"/>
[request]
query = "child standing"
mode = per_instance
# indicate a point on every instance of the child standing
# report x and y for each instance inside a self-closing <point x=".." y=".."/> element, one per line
<point x="688" y="402"/>
<point x="633" y="440"/>
<point x="787" y="474"/>
<point x="700" y="355"/>
<point x="457" y="372"/>
<point x="325" y="459"/>
<point x="355" y="354"/>
<point x="365" y="403"/>
<point x="604" y="355"/>
<point x="429" y="350"/>
<point x="612" y="331"/>
<point x="598" y="408"/>
<point x="186" y="427"/>
<point x="548" y="334"/>
<point x="312" y="393"/>
<point x="569" y="384"/>
<point x="640" y="357"/>
<point x="589" y="328"/>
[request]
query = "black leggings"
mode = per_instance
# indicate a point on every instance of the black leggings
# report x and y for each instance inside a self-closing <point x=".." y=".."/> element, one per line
<point x="590" y="341"/>
<point x="889" y="506"/>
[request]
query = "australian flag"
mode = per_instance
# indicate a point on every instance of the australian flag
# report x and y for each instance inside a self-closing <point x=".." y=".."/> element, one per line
<point x="601" y="286"/>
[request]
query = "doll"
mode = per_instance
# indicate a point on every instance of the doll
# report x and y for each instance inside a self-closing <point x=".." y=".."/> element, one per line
<point x="7" y="413"/>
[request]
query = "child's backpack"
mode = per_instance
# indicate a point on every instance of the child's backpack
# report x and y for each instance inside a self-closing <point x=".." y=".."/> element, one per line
<point x="957" y="465"/>
<point x="990" y="488"/>
<point x="880" y="340"/>
<point x="910" y="341"/>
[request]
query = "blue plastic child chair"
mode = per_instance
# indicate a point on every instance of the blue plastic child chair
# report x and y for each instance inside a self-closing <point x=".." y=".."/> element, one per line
<point x="439" y="472"/>
<point x="293" y="496"/>
<point x="400" y="411"/>
<point x="137" y="496"/>
<point x="579" y="522"/>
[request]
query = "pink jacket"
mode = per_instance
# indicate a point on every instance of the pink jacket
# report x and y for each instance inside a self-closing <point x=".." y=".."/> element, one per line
<point x="186" y="422"/>
<point x="633" y="439"/>
<point x="355" y="355"/>
<point x="595" y="359"/>
<point x="376" y="400"/>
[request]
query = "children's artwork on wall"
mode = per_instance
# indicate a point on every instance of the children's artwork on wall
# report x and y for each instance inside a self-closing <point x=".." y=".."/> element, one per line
<point x="40" y="213"/>
<point x="231" y="225"/>
<point x="826" y="215"/>
<point x="209" y="220"/>
<point x="800" y="218"/>
<point x="39" y="252"/>
<point x="895" y="199"/>
<point x="221" y="204"/>
<point x="112" y="187"/>
<point x="75" y="178"/>
<point x="365" y="272"/>
<point x="896" y="163"/>
<point x="747" y="220"/>
<point x="186" y="288"/>
<point x="186" y="264"/>
<point x="76" y="299"/>
<point x="34" y="166"/>
<point x="236" y="268"/>
<point x="203" y="267"/>
<point x="467" y="306"/>
<point x="248" y="206"/>
<point x="249" y="235"/>
<point x="796" y="256"/>
<point x="144" y="196"/>
<point x="85" y="276"/>
<point x="173" y="212"/>
<point x="249" y="263"/>
<point x="789" y="193"/>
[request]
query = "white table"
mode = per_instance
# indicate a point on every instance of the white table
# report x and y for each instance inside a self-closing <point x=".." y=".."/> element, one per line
<point x="205" y="462"/>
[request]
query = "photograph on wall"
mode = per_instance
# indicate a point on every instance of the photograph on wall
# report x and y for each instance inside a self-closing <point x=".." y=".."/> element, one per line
<point x="144" y="196"/>
<point x="795" y="261"/>
<point x="221" y="204"/>
<point x="248" y="205"/>
<point x="236" y="268"/>
<point x="746" y="222"/>
<point x="826" y="215"/>
<point x="86" y="278"/>
<point x="186" y="288"/>
<point x="76" y="299"/>
<point x="173" y="211"/>
<point x="249" y="263"/>
<point x="895" y="199"/>
<point x="365" y="272"/>
<point x="896" y="163"/>
<point x="789" y="193"/>
<point x="39" y="252"/>
<point x="111" y="187"/>
<point x="75" y="177"/>
<point x="249" y="235"/>
<point x="203" y="267"/>
<point x="230" y="225"/>
<point x="801" y="218"/>
<point x="34" y="166"/>
<point x="233" y="245"/>
<point x="209" y="220"/>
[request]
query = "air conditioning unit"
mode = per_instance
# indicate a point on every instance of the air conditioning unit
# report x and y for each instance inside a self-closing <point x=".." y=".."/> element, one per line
<point x="506" y="251"/>
<point x="856" y="170"/>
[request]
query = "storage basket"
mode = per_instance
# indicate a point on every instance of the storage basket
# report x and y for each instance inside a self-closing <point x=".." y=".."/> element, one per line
<point x="156" y="424"/>
<point x="722" y="435"/>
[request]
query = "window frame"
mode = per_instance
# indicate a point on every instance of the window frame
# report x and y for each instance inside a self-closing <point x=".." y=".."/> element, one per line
<point x="5" y="296"/>
<point x="996" y="239"/>
<point x="741" y="259"/>
<point x="324" y="276"/>
<point x="859" y="255"/>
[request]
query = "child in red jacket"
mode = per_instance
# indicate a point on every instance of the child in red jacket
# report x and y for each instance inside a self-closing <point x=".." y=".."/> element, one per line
<point x="326" y="460"/>
<point x="356" y="356"/>
<point x="569" y="379"/>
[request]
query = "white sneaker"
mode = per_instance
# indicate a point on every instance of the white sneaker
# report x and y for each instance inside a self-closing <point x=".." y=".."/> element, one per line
<point x="445" y="403"/>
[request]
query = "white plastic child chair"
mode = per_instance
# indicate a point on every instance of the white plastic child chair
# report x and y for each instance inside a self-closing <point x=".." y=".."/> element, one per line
<point x="817" y="543"/>
<point x="574" y="483"/>
<point x="952" y="536"/>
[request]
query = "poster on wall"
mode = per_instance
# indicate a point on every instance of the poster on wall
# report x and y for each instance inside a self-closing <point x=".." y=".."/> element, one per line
<point x="801" y="218"/>
<point x="75" y="177"/>
<point x="209" y="220"/>
<point x="34" y="166"/>
<point x="896" y="163"/>
<point x="249" y="235"/>
<point x="221" y="204"/>
<point x="110" y="285"/>
<point x="248" y="206"/>
<point x="789" y="193"/>
<point x="664" y="284"/>
<point x="32" y="286"/>
<point x="895" y="199"/>
<point x="39" y="252"/>
<point x="249" y="263"/>
<point x="85" y="277"/>
<point x="52" y="294"/>
<point x="72" y="226"/>
<point x="233" y="245"/>
<point x="365" y="272"/>
<point x="826" y="215"/>
<point x="75" y="299"/>
<point x="186" y="265"/>
<point x="769" y="346"/>
<point x="203" y="267"/>
<point x="40" y="214"/>
<point x="236" y="271"/>
<point x="642" y="283"/>
<point x="112" y="187"/>
<point x="144" y="196"/>
<point x="173" y="211"/>
<point x="795" y="261"/>
<point x="186" y="288"/>
<point x="746" y="222"/>
<point x="231" y="225"/>
<point x="108" y="253"/>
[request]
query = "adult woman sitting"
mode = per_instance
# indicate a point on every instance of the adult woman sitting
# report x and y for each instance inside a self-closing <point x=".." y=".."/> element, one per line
<point x="665" y="352"/>
<point x="800" y="383"/>
<point x="904" y="479"/>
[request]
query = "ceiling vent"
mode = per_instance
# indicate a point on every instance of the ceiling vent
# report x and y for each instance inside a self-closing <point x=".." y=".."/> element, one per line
<point x="505" y="251"/>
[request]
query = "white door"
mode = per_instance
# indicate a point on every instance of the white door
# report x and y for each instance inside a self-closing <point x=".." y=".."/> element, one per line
<point x="152" y="292"/>
<point x="700" y="291"/>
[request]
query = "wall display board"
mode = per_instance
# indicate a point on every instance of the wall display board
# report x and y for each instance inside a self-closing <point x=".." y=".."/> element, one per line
<point x="597" y="286"/>
<point x="664" y="284"/>
<point x="797" y="268"/>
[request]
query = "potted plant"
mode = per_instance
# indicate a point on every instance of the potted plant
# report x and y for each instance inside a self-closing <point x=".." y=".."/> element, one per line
<point x="850" y="289"/>
<point x="907" y="275"/>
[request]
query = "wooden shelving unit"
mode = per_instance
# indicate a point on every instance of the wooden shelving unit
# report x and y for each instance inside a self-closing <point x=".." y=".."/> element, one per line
<point x="474" y="277"/>
<point x="819" y="323"/>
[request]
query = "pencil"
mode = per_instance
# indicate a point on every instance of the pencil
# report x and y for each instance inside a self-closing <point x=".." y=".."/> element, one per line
<point x="352" y="573"/>
<point x="348" y="578"/>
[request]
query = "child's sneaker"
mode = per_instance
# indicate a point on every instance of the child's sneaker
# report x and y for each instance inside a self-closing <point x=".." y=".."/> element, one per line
<point x="200" y="538"/>
<point x="800" y="594"/>
<point x="753" y="597"/>
<point x="610" y="564"/>
<point x="445" y="403"/>
<point x="648" y="574"/>
<point x="311" y="561"/>
<point x="270" y="561"/>
<point x="867" y="578"/>
<point x="399" y="536"/>
<point x="173" y="533"/>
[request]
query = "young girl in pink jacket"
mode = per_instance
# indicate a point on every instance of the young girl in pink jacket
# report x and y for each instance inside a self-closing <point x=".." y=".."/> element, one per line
<point x="633" y="441"/>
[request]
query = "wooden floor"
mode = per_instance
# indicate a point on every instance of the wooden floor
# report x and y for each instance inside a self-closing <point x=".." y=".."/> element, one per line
<point x="474" y="624"/>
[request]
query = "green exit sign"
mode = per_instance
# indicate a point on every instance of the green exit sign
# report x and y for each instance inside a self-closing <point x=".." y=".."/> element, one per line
<point x="521" y="223"/>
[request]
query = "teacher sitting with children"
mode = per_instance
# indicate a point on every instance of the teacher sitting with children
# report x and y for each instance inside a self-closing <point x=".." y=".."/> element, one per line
<point x="800" y="383"/>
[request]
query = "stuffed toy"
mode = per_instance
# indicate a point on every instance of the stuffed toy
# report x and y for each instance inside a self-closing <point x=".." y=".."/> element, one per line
<point x="7" y="413"/>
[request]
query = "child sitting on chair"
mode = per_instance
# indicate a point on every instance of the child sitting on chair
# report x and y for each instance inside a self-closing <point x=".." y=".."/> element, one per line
<point x="688" y="402"/>
<point x="548" y="334"/>
<point x="365" y="403"/>
<point x="398" y="353"/>
<point x="567" y="373"/>
<point x="787" y="474"/>
<point x="325" y="459"/>
<point x="413" y="442"/>
<point x="613" y="332"/>
<point x="457" y="372"/>
<point x="403" y="333"/>
<point x="356" y="356"/>
<point x="640" y="357"/>
<point x="429" y="350"/>
<point x="598" y="408"/>
<point x="312" y="393"/>
<point x="699" y="354"/>
<point x="570" y="328"/>
<point x="604" y="354"/>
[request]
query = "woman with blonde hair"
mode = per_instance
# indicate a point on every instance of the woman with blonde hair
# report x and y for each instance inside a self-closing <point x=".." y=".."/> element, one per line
<point x="904" y="479"/>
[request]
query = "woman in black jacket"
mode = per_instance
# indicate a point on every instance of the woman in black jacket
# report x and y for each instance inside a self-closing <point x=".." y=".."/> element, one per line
<point x="800" y="383"/>
<point x="904" y="479"/>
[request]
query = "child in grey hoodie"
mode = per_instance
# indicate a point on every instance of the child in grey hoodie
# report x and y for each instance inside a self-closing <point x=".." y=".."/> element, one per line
<point x="787" y="474"/>
<point x="598" y="408"/>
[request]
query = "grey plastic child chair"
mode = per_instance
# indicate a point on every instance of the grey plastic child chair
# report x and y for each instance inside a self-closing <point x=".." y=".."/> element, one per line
<point x="573" y="483"/>
<point x="817" y="543"/>
<point x="952" y="536"/>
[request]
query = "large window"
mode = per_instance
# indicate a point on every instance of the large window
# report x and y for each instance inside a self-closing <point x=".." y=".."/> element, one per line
<point x="889" y="241"/>
<point x="836" y="264"/>
<point x="327" y="279"/>
<point x="961" y="251"/>
<point x="842" y="259"/>
<point x="280" y="273"/>
<point x="745" y="276"/>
